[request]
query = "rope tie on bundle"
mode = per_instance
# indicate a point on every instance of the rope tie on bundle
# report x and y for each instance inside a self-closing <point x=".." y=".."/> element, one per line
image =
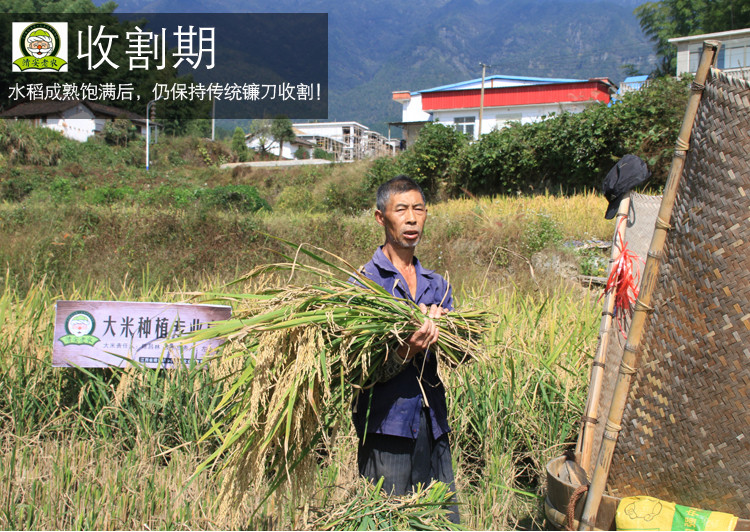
<point x="611" y="430"/>
<point x="660" y="224"/>
<point x="625" y="369"/>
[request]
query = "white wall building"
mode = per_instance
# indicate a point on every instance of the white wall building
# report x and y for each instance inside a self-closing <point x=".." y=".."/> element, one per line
<point x="506" y="99"/>
<point x="288" y="150"/>
<point x="77" y="120"/>
<point x="349" y="141"/>
<point x="734" y="54"/>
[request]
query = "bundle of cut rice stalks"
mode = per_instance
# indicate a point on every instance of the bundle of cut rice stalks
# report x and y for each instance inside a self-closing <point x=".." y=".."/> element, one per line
<point x="366" y="508"/>
<point x="306" y="350"/>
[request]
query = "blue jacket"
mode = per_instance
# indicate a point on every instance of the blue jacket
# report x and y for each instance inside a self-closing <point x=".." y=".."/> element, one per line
<point x="395" y="405"/>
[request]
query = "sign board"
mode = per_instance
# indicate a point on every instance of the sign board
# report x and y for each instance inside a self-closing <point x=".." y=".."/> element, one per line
<point x="97" y="334"/>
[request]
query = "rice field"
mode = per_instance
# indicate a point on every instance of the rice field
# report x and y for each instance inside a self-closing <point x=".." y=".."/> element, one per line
<point x="108" y="448"/>
<point x="123" y="449"/>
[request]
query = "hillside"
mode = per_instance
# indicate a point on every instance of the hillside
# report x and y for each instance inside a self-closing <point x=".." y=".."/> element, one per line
<point x="376" y="48"/>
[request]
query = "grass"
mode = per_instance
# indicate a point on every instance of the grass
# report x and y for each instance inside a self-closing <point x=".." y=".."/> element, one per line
<point x="107" y="448"/>
<point x="114" y="449"/>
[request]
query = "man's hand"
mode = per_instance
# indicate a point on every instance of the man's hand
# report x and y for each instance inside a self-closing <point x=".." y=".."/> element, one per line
<point x="425" y="336"/>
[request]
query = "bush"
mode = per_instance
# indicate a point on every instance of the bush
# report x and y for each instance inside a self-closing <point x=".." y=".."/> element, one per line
<point x="60" y="188"/>
<point x="301" y="154"/>
<point x="320" y="153"/>
<point x="295" y="198"/>
<point x="239" y="148"/>
<point x="27" y="144"/>
<point x="428" y="159"/>
<point x="347" y="197"/>
<point x="108" y="195"/>
<point x="541" y="231"/>
<point x="244" y="198"/>
<point x="119" y="131"/>
<point x="17" y="187"/>
<point x="382" y="170"/>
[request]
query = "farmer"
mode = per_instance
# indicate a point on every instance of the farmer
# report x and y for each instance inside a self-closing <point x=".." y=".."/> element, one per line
<point x="402" y="420"/>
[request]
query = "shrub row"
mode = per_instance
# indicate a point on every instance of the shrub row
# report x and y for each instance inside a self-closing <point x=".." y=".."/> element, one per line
<point x="568" y="152"/>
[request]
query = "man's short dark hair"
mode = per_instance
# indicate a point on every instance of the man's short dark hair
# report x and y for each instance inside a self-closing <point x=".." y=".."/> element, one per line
<point x="397" y="185"/>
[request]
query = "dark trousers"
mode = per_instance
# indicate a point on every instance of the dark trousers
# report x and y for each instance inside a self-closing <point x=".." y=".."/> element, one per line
<point x="403" y="463"/>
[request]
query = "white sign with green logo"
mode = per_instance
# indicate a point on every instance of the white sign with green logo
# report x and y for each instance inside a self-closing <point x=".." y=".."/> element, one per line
<point x="39" y="46"/>
<point x="114" y="333"/>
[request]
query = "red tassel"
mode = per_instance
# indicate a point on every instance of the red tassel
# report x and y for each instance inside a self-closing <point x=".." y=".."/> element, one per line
<point x="624" y="282"/>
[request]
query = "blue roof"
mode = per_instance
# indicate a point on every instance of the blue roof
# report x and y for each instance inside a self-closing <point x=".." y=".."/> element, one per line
<point x="635" y="79"/>
<point x="462" y="84"/>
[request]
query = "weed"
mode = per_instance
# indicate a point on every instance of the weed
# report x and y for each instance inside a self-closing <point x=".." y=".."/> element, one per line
<point x="541" y="231"/>
<point x="592" y="262"/>
<point x="243" y="198"/>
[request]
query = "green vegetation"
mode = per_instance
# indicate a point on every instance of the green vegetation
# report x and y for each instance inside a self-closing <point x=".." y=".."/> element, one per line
<point x="566" y="152"/>
<point x="115" y="449"/>
<point x="239" y="148"/>
<point x="666" y="19"/>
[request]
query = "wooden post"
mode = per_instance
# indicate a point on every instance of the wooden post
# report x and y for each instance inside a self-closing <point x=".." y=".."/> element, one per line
<point x="591" y="414"/>
<point x="630" y="357"/>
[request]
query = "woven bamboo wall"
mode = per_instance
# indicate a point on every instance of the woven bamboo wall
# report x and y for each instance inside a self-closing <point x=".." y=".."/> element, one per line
<point x="686" y="428"/>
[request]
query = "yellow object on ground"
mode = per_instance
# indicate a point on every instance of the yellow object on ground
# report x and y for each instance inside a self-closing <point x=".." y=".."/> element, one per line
<point x="648" y="513"/>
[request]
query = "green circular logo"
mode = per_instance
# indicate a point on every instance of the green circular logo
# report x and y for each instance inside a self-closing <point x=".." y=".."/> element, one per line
<point x="40" y="40"/>
<point x="80" y="323"/>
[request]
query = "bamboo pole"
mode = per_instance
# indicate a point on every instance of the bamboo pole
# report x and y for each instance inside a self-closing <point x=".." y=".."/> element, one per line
<point x="591" y="414"/>
<point x="630" y="358"/>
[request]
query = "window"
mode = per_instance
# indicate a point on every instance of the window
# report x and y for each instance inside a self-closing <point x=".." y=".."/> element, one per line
<point x="505" y="119"/>
<point x="734" y="57"/>
<point x="464" y="124"/>
<point x="695" y="57"/>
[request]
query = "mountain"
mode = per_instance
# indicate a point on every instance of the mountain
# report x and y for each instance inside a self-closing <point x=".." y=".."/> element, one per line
<point x="378" y="47"/>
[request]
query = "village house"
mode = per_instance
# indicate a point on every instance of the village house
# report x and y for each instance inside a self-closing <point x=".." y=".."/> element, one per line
<point x="288" y="151"/>
<point x="347" y="141"/>
<point x="506" y="99"/>
<point x="733" y="58"/>
<point x="76" y="119"/>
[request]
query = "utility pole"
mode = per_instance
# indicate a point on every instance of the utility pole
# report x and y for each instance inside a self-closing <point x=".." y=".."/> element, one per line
<point x="481" y="100"/>
<point x="150" y="108"/>
<point x="213" y="119"/>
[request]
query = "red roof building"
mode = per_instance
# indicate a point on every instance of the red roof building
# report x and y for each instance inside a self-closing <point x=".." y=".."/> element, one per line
<point x="506" y="99"/>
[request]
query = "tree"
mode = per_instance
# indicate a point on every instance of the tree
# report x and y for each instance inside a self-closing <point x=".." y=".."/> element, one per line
<point x="239" y="148"/>
<point x="282" y="130"/>
<point x="119" y="131"/>
<point x="427" y="160"/>
<point x="260" y="131"/>
<point x="666" y="19"/>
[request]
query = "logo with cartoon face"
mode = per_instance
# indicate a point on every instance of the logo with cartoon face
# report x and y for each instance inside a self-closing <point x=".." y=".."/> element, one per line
<point x="40" y="46"/>
<point x="79" y="325"/>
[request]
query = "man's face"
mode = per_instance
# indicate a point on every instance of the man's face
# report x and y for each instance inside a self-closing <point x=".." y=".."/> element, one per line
<point x="403" y="219"/>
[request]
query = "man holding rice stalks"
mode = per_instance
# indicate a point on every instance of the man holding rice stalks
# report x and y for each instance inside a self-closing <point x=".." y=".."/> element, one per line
<point x="402" y="420"/>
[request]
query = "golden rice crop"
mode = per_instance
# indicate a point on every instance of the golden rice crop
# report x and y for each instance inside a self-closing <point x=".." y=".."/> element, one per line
<point x="307" y="351"/>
